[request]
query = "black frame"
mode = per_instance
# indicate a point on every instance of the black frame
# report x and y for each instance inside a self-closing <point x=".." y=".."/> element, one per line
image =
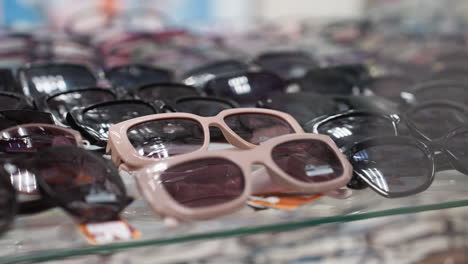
<point x="24" y="102"/>
<point x="74" y="118"/>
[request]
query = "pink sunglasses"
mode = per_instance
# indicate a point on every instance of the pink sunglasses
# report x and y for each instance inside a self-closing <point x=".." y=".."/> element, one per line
<point x="214" y="183"/>
<point x="141" y="141"/>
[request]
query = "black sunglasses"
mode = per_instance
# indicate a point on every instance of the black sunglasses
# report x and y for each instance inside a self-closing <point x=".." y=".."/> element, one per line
<point x="94" y="121"/>
<point x="332" y="80"/>
<point x="43" y="79"/>
<point x="199" y="76"/>
<point x="389" y="86"/>
<point x="289" y="65"/>
<point x="85" y="185"/>
<point x="128" y="77"/>
<point x="307" y="106"/>
<point x="246" y="88"/>
<point x="61" y="103"/>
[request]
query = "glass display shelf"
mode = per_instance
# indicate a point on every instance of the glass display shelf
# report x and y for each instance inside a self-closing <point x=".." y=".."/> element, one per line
<point x="54" y="235"/>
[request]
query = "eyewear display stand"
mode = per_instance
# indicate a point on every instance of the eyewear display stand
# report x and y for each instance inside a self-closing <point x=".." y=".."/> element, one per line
<point x="53" y="235"/>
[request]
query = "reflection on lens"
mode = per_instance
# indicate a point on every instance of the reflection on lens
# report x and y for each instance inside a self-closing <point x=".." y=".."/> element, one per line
<point x="166" y="138"/>
<point x="437" y="121"/>
<point x="203" y="183"/>
<point x="352" y="129"/>
<point x="62" y="104"/>
<point x="82" y="182"/>
<point x="393" y="168"/>
<point x="101" y="118"/>
<point x="308" y="160"/>
<point x="32" y="139"/>
<point x="257" y="128"/>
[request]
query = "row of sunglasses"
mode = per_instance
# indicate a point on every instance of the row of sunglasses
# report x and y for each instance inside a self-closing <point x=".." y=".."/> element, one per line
<point x="167" y="154"/>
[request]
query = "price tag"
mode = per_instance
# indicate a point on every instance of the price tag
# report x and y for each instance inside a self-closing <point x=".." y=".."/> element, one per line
<point x="108" y="232"/>
<point x="282" y="201"/>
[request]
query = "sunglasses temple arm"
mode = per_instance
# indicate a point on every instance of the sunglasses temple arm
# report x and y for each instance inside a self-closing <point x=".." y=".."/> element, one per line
<point x="262" y="183"/>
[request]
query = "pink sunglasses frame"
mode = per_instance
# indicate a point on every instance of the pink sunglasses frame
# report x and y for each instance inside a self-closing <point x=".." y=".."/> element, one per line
<point x="271" y="179"/>
<point x="126" y="157"/>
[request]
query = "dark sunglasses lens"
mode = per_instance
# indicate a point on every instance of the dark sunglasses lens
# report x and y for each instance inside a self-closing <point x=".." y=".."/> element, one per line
<point x="201" y="107"/>
<point x="62" y="104"/>
<point x="8" y="102"/>
<point x="167" y="137"/>
<point x="32" y="139"/>
<point x="258" y="128"/>
<point x="390" y="88"/>
<point x="134" y="76"/>
<point x="202" y="183"/>
<point x="161" y="92"/>
<point x="352" y="129"/>
<point x="326" y="82"/>
<point x="437" y="121"/>
<point x="101" y="118"/>
<point x="199" y="77"/>
<point x="308" y="161"/>
<point x="393" y="169"/>
<point x="10" y="118"/>
<point x="287" y="66"/>
<point x="246" y="89"/>
<point x="88" y="186"/>
<point x="458" y="146"/>
<point x="59" y="78"/>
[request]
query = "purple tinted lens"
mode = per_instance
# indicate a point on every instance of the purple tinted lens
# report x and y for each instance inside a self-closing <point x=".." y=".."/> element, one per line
<point x="161" y="92"/>
<point x="85" y="184"/>
<point x="437" y="121"/>
<point x="167" y="137"/>
<point x="206" y="182"/>
<point x="60" y="105"/>
<point x="32" y="139"/>
<point x="308" y="161"/>
<point x="257" y="128"/>
<point x="393" y="168"/>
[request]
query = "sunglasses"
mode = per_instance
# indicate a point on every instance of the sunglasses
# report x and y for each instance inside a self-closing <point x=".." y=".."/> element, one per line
<point x="449" y="90"/>
<point x="128" y="77"/>
<point x="211" y="184"/>
<point x="246" y="88"/>
<point x="60" y="104"/>
<point x="307" y="106"/>
<point x="199" y="76"/>
<point x="140" y="141"/>
<point x="329" y="81"/>
<point x="94" y="121"/>
<point x="402" y="166"/>
<point x="43" y="79"/>
<point x="289" y="65"/>
<point x="83" y="184"/>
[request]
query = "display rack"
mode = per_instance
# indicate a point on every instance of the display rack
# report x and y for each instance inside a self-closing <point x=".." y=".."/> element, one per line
<point x="53" y="235"/>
